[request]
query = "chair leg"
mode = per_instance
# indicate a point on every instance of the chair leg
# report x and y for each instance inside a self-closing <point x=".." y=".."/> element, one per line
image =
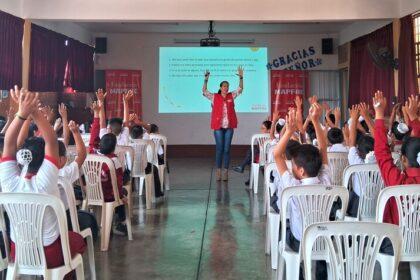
<point x="256" y="172"/>
<point x="415" y="270"/>
<point x="267" y="237"/>
<point x="107" y="221"/>
<point x="91" y="256"/>
<point x="11" y="272"/>
<point x="149" y="198"/>
<point x="386" y="266"/>
<point x="128" y="224"/>
<point x="80" y="274"/>
<point x="280" y="266"/>
<point x="166" y="179"/>
<point x="251" y="177"/>
<point x="141" y="185"/>
<point x="274" y="233"/>
<point x="161" y="176"/>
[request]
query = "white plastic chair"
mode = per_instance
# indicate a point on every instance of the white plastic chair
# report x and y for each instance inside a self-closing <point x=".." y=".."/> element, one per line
<point x="26" y="215"/>
<point x="396" y="156"/>
<point x="352" y="247"/>
<point x="161" y="141"/>
<point x="92" y="168"/>
<point x="369" y="179"/>
<point x="260" y="140"/>
<point x="315" y="203"/>
<point x="407" y="198"/>
<point x="126" y="156"/>
<point x="273" y="218"/>
<point x="86" y="233"/>
<point x="337" y="162"/>
<point x="4" y="260"/>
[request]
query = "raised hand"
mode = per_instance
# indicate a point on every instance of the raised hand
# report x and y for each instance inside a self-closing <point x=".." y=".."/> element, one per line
<point x="412" y="107"/>
<point x="313" y="99"/>
<point x="206" y="73"/>
<point x="363" y="110"/>
<point x="337" y="113"/>
<point x="379" y="104"/>
<point x="128" y="96"/>
<point x="298" y="102"/>
<point x="15" y="94"/>
<point x="315" y="112"/>
<point x="74" y="128"/>
<point x="96" y="106"/>
<point x="11" y="113"/>
<point x="28" y="103"/>
<point x="101" y="95"/>
<point x="133" y="117"/>
<point x="240" y="71"/>
<point x="62" y="110"/>
<point x="48" y="113"/>
<point x="354" y="113"/>
<point x="291" y="124"/>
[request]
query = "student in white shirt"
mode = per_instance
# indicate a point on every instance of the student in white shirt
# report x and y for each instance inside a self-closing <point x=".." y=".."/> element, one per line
<point x="336" y="139"/>
<point x="360" y="147"/>
<point x="39" y="174"/>
<point x="309" y="166"/>
<point x="117" y="126"/>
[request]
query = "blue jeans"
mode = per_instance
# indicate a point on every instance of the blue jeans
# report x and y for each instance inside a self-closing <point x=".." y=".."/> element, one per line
<point x="223" y="139"/>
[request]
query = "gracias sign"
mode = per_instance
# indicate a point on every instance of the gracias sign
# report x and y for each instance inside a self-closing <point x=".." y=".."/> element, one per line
<point x="296" y="60"/>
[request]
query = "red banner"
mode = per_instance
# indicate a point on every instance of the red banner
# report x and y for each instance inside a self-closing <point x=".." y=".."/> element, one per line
<point x="285" y="85"/>
<point x="117" y="83"/>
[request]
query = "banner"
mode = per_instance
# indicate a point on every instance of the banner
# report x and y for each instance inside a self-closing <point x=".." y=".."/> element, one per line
<point x="285" y="85"/>
<point x="117" y="83"/>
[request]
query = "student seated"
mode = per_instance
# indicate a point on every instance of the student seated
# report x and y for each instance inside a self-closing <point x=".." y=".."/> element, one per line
<point x="39" y="174"/>
<point x="309" y="166"/>
<point x="136" y="132"/>
<point x="336" y="139"/>
<point x="398" y="132"/>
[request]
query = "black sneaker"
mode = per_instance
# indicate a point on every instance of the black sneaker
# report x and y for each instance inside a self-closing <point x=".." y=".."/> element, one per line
<point x="238" y="169"/>
<point x="120" y="229"/>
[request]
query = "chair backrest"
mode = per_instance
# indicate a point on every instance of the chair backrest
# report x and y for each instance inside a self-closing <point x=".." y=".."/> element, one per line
<point x="338" y="162"/>
<point x="71" y="153"/>
<point x="26" y="214"/>
<point x="269" y="170"/>
<point x="407" y="198"/>
<point x="260" y="139"/>
<point x="315" y="203"/>
<point x="159" y="139"/>
<point x="126" y="156"/>
<point x="352" y="246"/>
<point x="92" y="168"/>
<point x="397" y="160"/>
<point x="143" y="153"/>
<point x="369" y="179"/>
<point x="71" y="202"/>
<point x="86" y="138"/>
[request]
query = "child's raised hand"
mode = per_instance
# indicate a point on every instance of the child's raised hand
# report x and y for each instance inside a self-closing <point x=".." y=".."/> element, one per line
<point x="298" y="102"/>
<point x="28" y="103"/>
<point x="133" y="117"/>
<point x="291" y="124"/>
<point x="363" y="110"/>
<point x="100" y="94"/>
<point x="62" y="110"/>
<point x="315" y="112"/>
<point x="379" y="104"/>
<point x="95" y="106"/>
<point x="11" y="113"/>
<point x="207" y="73"/>
<point x="337" y="113"/>
<point x="412" y="107"/>
<point x="354" y="113"/>
<point x="240" y="71"/>
<point x="74" y="128"/>
<point x="128" y="96"/>
<point x="313" y="99"/>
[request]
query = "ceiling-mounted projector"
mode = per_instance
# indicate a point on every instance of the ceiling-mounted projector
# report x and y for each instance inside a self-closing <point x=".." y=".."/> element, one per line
<point x="212" y="40"/>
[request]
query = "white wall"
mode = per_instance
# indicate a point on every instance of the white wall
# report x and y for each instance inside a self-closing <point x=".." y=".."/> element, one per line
<point x="232" y="10"/>
<point x="360" y="28"/>
<point x="69" y="29"/>
<point x="409" y="7"/>
<point x="140" y="52"/>
<point x="13" y="7"/>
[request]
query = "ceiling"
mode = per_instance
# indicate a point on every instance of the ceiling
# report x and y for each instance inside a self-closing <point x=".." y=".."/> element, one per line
<point x="219" y="27"/>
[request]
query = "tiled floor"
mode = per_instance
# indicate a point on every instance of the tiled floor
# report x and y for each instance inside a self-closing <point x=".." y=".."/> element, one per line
<point x="203" y="230"/>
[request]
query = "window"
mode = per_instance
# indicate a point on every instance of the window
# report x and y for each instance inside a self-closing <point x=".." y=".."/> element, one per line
<point x="417" y="43"/>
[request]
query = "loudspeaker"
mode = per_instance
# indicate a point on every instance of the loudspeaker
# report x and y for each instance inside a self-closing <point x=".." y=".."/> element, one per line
<point x="327" y="46"/>
<point x="100" y="45"/>
<point x="99" y="79"/>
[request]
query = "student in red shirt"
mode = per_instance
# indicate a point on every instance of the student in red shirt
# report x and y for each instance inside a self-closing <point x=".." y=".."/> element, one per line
<point x="410" y="153"/>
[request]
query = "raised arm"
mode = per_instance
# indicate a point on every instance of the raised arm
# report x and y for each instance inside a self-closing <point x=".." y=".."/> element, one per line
<point x="241" y="77"/>
<point x="28" y="103"/>
<point x="94" y="131"/>
<point x="80" y="145"/>
<point x="206" y="79"/>
<point x="274" y="120"/>
<point x="354" y="117"/>
<point x="62" y="110"/>
<point x="280" y="149"/>
<point x="393" y="115"/>
<point x="101" y="98"/>
<point x="364" y="112"/>
<point x="10" y="116"/>
<point x="134" y="118"/>
<point x="48" y="133"/>
<point x="126" y="101"/>
<point x="337" y="116"/>
<point x="299" y="113"/>
<point x="315" y="112"/>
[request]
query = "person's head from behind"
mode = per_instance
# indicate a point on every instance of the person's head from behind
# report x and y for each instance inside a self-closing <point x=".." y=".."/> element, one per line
<point x="365" y="126"/>
<point x="136" y="132"/>
<point x="107" y="144"/>
<point x="332" y="117"/>
<point x="115" y="124"/>
<point x="365" y="145"/>
<point x="291" y="147"/>
<point x="306" y="161"/>
<point x="335" y="136"/>
<point x="400" y="130"/>
<point x="265" y="127"/>
<point x="311" y="131"/>
<point x="224" y="87"/>
<point x="280" y="124"/>
<point x="36" y="146"/>
<point x="154" y="128"/>
<point x="62" y="154"/>
<point x="410" y="152"/>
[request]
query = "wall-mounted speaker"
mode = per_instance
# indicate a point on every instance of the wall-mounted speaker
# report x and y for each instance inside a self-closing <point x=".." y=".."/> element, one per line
<point x="100" y="45"/>
<point x="327" y="46"/>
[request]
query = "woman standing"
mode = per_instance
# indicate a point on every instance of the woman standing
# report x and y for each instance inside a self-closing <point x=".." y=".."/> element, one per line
<point x="223" y="120"/>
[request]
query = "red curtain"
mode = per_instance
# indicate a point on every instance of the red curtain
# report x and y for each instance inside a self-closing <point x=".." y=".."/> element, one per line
<point x="407" y="77"/>
<point x="48" y="60"/>
<point x="79" y="71"/>
<point x="11" y="34"/>
<point x="365" y="76"/>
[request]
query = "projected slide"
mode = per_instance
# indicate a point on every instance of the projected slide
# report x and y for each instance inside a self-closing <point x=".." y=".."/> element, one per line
<point x="181" y="76"/>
